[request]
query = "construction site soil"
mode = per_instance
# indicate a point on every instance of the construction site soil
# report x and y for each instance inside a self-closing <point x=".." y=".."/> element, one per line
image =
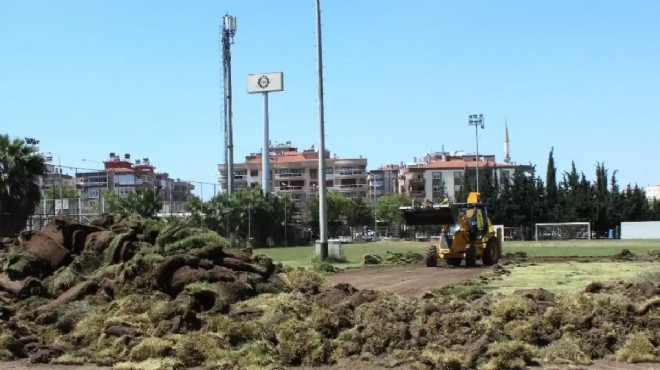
<point x="144" y="295"/>
<point x="405" y="280"/>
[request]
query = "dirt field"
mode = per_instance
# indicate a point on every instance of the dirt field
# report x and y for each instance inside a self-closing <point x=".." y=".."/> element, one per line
<point x="406" y="280"/>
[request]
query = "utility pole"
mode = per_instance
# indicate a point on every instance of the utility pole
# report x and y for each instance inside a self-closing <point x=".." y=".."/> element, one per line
<point x="323" y="200"/>
<point x="477" y="120"/>
<point x="228" y="32"/>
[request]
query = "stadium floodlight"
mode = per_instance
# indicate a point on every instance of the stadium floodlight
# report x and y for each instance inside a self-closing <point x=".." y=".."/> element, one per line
<point x="476" y="120"/>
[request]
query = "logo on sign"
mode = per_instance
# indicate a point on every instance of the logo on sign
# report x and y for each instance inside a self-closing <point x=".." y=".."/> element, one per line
<point x="263" y="82"/>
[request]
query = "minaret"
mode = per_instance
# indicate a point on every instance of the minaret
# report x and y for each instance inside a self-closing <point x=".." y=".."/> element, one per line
<point x="507" y="156"/>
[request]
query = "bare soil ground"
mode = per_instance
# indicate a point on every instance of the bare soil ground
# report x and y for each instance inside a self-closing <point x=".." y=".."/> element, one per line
<point x="406" y="280"/>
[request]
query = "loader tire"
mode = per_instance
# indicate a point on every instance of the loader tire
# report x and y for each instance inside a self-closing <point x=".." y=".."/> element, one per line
<point x="431" y="256"/>
<point x="454" y="261"/>
<point x="491" y="253"/>
<point x="471" y="256"/>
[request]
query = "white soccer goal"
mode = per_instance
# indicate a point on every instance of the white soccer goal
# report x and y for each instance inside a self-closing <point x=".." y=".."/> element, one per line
<point x="563" y="231"/>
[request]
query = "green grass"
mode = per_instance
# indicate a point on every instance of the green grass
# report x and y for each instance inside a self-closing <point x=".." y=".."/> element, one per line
<point x="580" y="248"/>
<point x="353" y="252"/>
<point x="566" y="276"/>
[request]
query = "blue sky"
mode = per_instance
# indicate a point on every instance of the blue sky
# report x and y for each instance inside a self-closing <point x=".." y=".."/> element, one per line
<point x="91" y="77"/>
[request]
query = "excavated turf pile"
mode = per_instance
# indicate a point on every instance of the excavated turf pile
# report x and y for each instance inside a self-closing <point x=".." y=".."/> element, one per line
<point x="393" y="258"/>
<point x="139" y="295"/>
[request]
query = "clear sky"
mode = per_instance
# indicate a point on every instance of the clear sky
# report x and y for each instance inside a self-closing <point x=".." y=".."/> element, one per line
<point x="88" y="78"/>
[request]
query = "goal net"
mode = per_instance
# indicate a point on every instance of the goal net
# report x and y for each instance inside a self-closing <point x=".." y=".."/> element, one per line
<point x="563" y="231"/>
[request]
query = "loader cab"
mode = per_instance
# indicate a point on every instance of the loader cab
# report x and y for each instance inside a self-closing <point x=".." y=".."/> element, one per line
<point x="476" y="219"/>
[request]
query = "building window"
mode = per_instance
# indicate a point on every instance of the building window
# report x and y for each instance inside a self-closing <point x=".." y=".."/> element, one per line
<point x="329" y="171"/>
<point x="505" y="176"/>
<point x="437" y="175"/>
<point x="437" y="188"/>
<point x="93" y="193"/>
<point x="458" y="177"/>
<point x="457" y="188"/>
<point x="254" y="173"/>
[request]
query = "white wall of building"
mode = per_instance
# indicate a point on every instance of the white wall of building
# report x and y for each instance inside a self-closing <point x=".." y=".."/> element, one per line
<point x="653" y="192"/>
<point x="640" y="230"/>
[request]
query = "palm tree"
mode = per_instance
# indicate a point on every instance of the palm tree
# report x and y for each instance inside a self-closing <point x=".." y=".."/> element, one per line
<point x="20" y="168"/>
<point x="144" y="202"/>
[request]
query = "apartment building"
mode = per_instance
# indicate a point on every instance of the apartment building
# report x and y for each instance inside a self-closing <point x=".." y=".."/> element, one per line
<point x="296" y="173"/>
<point x="122" y="175"/>
<point x="383" y="181"/>
<point x="440" y="175"/>
<point x="652" y="192"/>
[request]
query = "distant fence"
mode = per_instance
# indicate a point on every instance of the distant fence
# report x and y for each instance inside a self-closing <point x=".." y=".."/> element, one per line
<point x="640" y="230"/>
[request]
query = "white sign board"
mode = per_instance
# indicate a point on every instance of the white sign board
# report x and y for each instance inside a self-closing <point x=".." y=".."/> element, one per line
<point x="265" y="82"/>
<point x="640" y="230"/>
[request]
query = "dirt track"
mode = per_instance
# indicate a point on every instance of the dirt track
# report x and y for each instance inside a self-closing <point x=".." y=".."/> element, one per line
<point x="406" y="280"/>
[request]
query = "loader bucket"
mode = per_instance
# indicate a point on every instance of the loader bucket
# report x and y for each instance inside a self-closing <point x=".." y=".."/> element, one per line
<point x="430" y="216"/>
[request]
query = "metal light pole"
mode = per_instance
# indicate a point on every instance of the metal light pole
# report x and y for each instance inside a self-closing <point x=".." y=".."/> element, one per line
<point x="59" y="171"/>
<point x="323" y="200"/>
<point x="228" y="32"/>
<point x="476" y="120"/>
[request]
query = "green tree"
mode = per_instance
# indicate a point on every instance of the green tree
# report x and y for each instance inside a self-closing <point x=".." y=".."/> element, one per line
<point x="60" y="192"/>
<point x="338" y="207"/>
<point x="387" y="210"/>
<point x="20" y="168"/>
<point x="360" y="214"/>
<point x="143" y="201"/>
<point x="551" y="192"/>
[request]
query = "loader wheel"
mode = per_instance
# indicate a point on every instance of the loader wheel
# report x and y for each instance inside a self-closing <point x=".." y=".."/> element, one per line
<point x="431" y="256"/>
<point x="454" y="261"/>
<point x="471" y="256"/>
<point x="491" y="254"/>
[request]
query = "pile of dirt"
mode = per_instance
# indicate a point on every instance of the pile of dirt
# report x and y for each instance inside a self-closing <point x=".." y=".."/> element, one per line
<point x="515" y="255"/>
<point x="625" y="255"/>
<point x="393" y="258"/>
<point x="139" y="294"/>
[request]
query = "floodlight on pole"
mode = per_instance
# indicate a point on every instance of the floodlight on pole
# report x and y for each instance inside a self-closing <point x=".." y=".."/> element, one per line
<point x="228" y="33"/>
<point x="476" y="120"/>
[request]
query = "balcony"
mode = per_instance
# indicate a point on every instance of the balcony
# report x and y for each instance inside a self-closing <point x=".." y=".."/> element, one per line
<point x="288" y="175"/>
<point x="350" y="172"/>
<point x="290" y="188"/>
<point x="351" y="187"/>
<point x="417" y="194"/>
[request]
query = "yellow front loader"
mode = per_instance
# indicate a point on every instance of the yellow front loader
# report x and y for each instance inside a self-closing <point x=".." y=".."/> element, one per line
<point x="466" y="231"/>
